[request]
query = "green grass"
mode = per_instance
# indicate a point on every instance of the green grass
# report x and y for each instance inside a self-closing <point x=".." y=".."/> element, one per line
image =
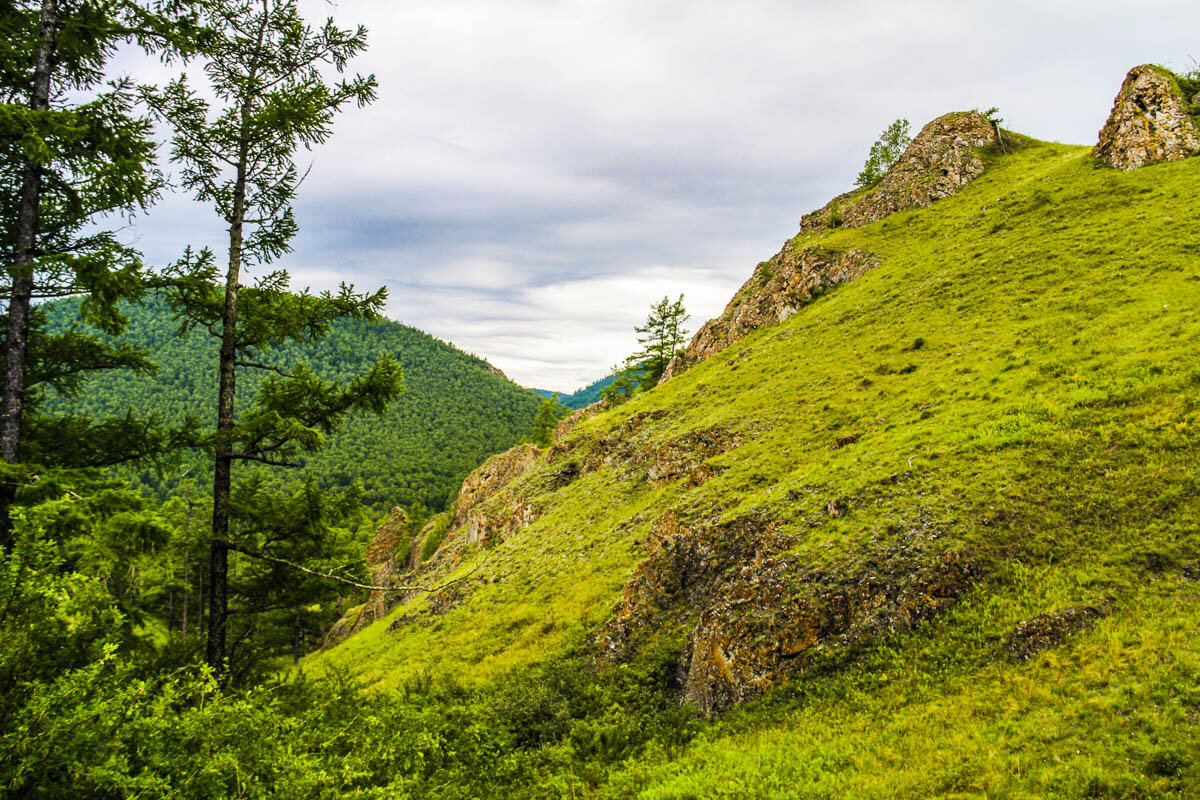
<point x="1048" y="427"/>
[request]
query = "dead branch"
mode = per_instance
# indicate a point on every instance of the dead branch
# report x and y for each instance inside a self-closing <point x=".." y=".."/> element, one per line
<point x="330" y="577"/>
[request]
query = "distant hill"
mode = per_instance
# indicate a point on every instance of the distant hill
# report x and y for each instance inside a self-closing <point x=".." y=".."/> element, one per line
<point x="583" y="397"/>
<point x="454" y="413"/>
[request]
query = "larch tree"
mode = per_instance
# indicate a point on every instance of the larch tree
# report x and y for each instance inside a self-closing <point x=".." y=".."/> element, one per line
<point x="73" y="150"/>
<point x="265" y="69"/>
<point x="661" y="339"/>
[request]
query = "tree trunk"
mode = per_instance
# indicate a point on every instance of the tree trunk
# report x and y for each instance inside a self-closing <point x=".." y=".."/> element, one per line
<point x="16" y="343"/>
<point x="187" y="553"/>
<point x="218" y="583"/>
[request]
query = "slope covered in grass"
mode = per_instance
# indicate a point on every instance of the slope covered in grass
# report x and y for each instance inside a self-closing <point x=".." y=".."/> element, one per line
<point x="1017" y="385"/>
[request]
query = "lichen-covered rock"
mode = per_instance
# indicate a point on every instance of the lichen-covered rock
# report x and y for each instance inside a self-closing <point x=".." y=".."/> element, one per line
<point x="1049" y="630"/>
<point x="485" y="529"/>
<point x="496" y="473"/>
<point x="765" y="620"/>
<point x="776" y="291"/>
<point x="1149" y="123"/>
<point x="386" y="558"/>
<point x="939" y="162"/>
<point x="683" y="566"/>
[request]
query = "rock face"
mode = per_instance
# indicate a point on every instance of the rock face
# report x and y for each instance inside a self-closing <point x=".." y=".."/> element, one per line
<point x="496" y="473"/>
<point x="776" y="291"/>
<point x="772" y="614"/>
<point x="940" y="161"/>
<point x="1050" y="630"/>
<point x="756" y="613"/>
<point x="386" y="558"/>
<point x="1149" y="123"/>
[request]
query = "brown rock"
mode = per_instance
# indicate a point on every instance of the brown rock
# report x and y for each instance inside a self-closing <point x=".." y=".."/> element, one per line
<point x="1149" y="122"/>
<point x="771" y="614"/>
<point x="940" y="161"/>
<point x="496" y="473"/>
<point x="1050" y="630"/>
<point x="386" y="559"/>
<point x="776" y="291"/>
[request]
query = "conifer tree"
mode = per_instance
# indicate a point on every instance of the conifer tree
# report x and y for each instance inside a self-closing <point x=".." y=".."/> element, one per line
<point x="264" y="67"/>
<point x="661" y="339"/>
<point x="72" y="149"/>
<point x="545" y="422"/>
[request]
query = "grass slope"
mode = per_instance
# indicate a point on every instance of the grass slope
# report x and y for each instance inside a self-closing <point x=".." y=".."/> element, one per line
<point x="454" y="413"/>
<point x="1023" y="371"/>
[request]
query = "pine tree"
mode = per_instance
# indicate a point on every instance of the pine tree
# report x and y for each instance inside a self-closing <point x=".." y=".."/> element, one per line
<point x="545" y="422"/>
<point x="71" y="152"/>
<point x="661" y="338"/>
<point x="264" y="67"/>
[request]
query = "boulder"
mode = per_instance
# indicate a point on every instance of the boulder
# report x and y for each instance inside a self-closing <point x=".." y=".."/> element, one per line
<point x="1150" y="122"/>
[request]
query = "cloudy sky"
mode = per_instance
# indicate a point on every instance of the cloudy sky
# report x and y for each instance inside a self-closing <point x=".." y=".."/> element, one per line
<point x="536" y="173"/>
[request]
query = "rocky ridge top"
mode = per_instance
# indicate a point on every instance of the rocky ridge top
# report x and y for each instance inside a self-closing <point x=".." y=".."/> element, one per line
<point x="1151" y="121"/>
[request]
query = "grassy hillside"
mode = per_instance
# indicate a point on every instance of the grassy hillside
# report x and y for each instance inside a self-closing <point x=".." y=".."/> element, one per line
<point x="1017" y="390"/>
<point x="454" y="413"/>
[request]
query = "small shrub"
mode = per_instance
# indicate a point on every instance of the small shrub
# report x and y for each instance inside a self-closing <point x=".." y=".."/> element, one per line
<point x="885" y="152"/>
<point x="835" y="215"/>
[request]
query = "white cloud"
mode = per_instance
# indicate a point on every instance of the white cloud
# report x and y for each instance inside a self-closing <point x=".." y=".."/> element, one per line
<point x="536" y="173"/>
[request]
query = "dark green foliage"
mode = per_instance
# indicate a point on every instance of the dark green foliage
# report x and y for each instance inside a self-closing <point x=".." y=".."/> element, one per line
<point x="661" y="338"/>
<point x="548" y="415"/>
<point x="884" y="153"/>
<point x="435" y="535"/>
<point x="73" y="149"/>
<point x="454" y="413"/>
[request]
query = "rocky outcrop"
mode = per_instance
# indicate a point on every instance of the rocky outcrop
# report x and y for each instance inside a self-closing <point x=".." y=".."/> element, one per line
<point x="939" y="162"/>
<point x="484" y="529"/>
<point x="495" y="473"/>
<point x="568" y="423"/>
<point x="779" y="287"/>
<point x="772" y="615"/>
<point x="386" y="558"/>
<point x="756" y="613"/>
<point x="683" y="567"/>
<point x="1050" y="630"/>
<point x="1150" y="122"/>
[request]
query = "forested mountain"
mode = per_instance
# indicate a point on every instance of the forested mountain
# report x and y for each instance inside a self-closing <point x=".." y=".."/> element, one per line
<point x="453" y="414"/>
<point x="581" y="398"/>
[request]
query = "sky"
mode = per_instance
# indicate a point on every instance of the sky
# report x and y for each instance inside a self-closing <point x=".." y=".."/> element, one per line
<point x="536" y="173"/>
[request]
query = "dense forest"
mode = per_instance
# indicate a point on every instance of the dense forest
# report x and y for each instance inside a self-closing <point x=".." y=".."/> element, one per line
<point x="453" y="413"/>
<point x="581" y="398"/>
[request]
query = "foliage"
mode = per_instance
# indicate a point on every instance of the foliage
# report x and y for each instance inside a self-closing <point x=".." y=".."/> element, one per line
<point x="435" y="534"/>
<point x="73" y="149"/>
<point x="547" y="418"/>
<point x="453" y="415"/>
<point x="662" y="338"/>
<point x="582" y="398"/>
<point x="884" y="153"/>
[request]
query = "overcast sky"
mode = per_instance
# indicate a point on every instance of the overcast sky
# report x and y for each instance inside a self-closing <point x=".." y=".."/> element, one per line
<point x="536" y="173"/>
